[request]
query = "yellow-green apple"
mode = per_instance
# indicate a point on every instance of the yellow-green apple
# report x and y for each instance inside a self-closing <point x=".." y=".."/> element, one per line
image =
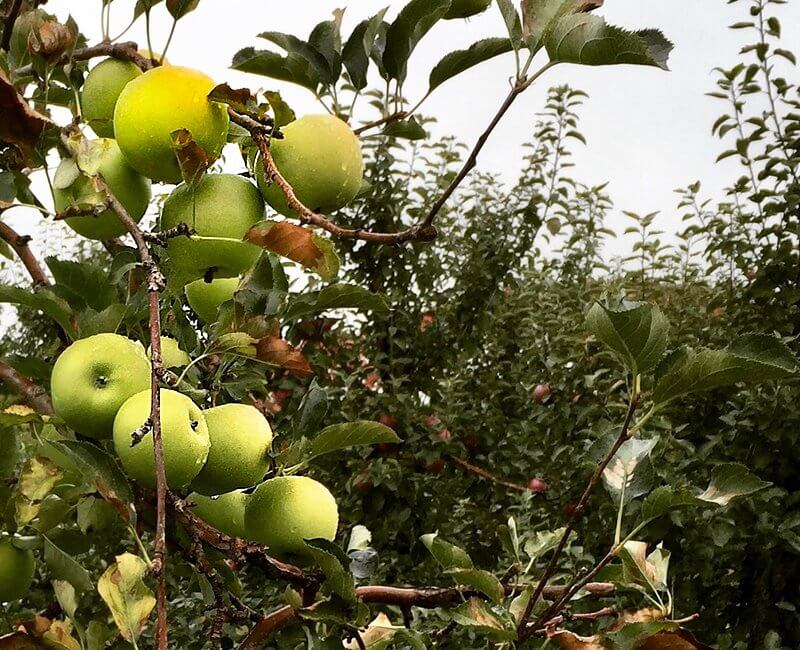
<point x="205" y="298"/>
<point x="93" y="377"/>
<point x="72" y="188"/>
<point x="155" y="105"/>
<point x="224" y="512"/>
<point x="220" y="208"/>
<point x="17" y="570"/>
<point x="100" y="92"/>
<point x="240" y="440"/>
<point x="320" y="157"/>
<point x="183" y="432"/>
<point x="285" y="511"/>
<point x="171" y="354"/>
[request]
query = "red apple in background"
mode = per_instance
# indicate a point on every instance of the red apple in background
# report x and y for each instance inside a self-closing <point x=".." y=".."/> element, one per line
<point x="444" y="435"/>
<point x="471" y="442"/>
<point x="388" y="421"/>
<point x="363" y="483"/>
<point x="432" y="421"/>
<point x="541" y="393"/>
<point x="537" y="485"/>
<point x="426" y="321"/>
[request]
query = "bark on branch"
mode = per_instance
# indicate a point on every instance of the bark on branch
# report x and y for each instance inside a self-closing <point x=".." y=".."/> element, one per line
<point x="35" y="396"/>
<point x="20" y="245"/>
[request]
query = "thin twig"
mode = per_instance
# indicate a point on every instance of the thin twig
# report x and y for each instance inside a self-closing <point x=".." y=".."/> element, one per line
<point x="576" y="514"/>
<point x="36" y="396"/>
<point x="155" y="284"/>
<point x="474" y="469"/>
<point x="20" y="245"/>
<point x="127" y="51"/>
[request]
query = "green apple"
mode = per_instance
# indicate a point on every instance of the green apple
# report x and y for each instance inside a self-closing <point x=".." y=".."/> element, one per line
<point x="225" y="512"/>
<point x="240" y="439"/>
<point x="171" y="354"/>
<point x="221" y="208"/>
<point x="205" y="298"/>
<point x="183" y="432"/>
<point x="93" y="377"/>
<point x="321" y="158"/>
<point x="159" y="102"/>
<point x="100" y="92"/>
<point x="71" y="188"/>
<point x="17" y="570"/>
<point x="284" y="511"/>
<point x="466" y="8"/>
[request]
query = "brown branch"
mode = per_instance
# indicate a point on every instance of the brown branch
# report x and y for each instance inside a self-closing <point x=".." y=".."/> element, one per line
<point x="8" y="27"/>
<point x="155" y="284"/>
<point x="127" y="51"/>
<point x="399" y="115"/>
<point x="474" y="469"/>
<point x="261" y="135"/>
<point x="575" y="516"/>
<point x="265" y="628"/>
<point x="20" y="245"/>
<point x="585" y="616"/>
<point x="36" y="396"/>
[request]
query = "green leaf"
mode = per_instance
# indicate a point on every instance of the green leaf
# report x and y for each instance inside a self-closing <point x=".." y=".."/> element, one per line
<point x="179" y="8"/>
<point x="457" y="62"/>
<point x="512" y="21"/>
<point x="282" y="113"/>
<point x="588" y="40"/>
<point x="483" y="581"/>
<point x="44" y="300"/>
<point x="448" y="555"/>
<point x="332" y="561"/>
<point x="65" y="567"/>
<point x="542" y="542"/>
<point x="630" y="469"/>
<point x="664" y="500"/>
<point x="729" y="481"/>
<point x="409" y="129"/>
<point x="123" y="590"/>
<point x="635" y="331"/>
<point x="292" y="68"/>
<point x="264" y="288"/>
<point x="356" y="51"/>
<point x="336" y="296"/>
<point x="91" y="463"/>
<point x="312" y="410"/>
<point x="539" y="15"/>
<point x="296" y="47"/>
<point x="752" y="358"/>
<point x="350" y="434"/>
<point x="477" y="615"/>
<point x="326" y="39"/>
<point x="414" y="21"/>
<point x="298" y="244"/>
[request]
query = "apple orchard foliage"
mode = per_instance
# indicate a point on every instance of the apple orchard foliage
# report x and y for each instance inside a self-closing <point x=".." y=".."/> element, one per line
<point x="511" y="375"/>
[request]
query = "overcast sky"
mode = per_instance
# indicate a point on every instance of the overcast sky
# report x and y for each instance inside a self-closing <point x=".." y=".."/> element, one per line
<point x="648" y="131"/>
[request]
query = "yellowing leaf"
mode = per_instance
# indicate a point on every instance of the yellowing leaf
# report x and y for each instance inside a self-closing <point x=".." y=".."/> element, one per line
<point x="38" y="477"/>
<point x="59" y="637"/>
<point x="126" y="595"/>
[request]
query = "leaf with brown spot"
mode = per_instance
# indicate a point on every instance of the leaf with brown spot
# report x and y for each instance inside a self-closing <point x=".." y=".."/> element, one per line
<point x="273" y="349"/>
<point x="298" y="244"/>
<point x="239" y="99"/>
<point x="51" y="40"/>
<point x="570" y="641"/>
<point x="21" y="125"/>
<point x="677" y="640"/>
<point x="19" y="641"/>
<point x="192" y="158"/>
<point x="37" y="479"/>
<point x="123" y="590"/>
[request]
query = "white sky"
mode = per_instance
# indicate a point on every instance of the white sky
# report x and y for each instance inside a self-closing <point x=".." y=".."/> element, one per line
<point x="648" y="131"/>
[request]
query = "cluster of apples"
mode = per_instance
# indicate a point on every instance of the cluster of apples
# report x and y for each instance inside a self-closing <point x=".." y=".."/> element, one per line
<point x="101" y="388"/>
<point x="136" y="113"/>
